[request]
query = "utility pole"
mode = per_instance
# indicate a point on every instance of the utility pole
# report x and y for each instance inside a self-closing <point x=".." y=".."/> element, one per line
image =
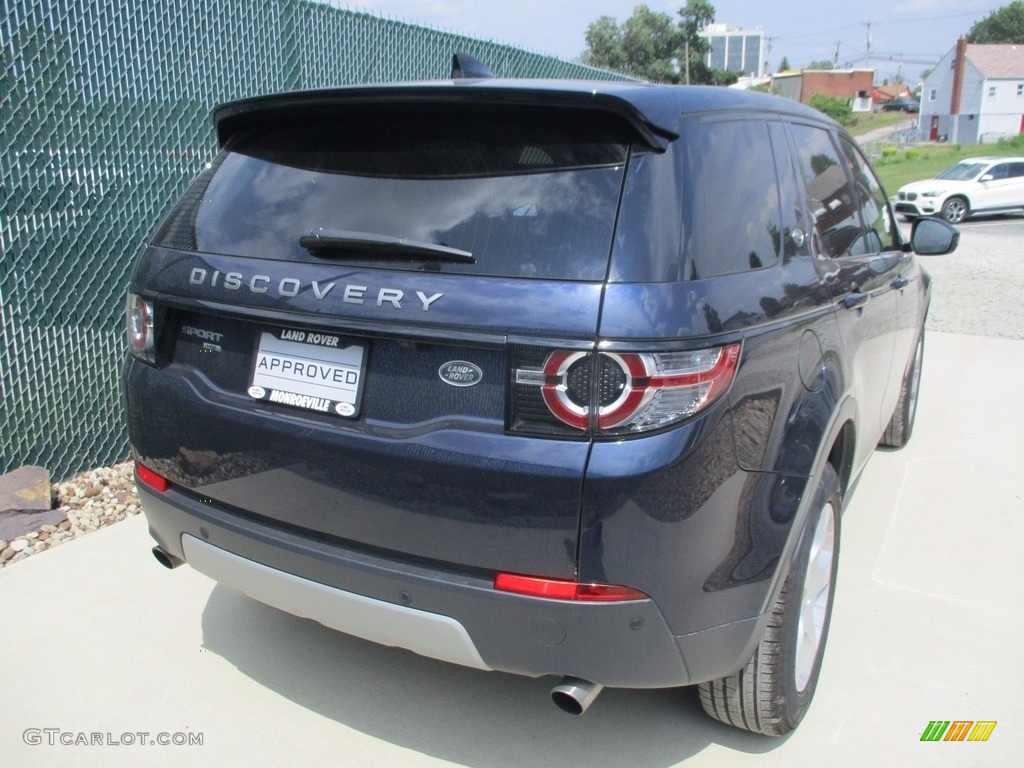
<point x="868" y="24"/>
<point x="768" y="54"/>
<point x="835" y="61"/>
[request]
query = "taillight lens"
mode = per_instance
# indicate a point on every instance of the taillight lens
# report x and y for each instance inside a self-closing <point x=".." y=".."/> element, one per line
<point x="140" y="318"/>
<point x="564" y="589"/>
<point x="614" y="393"/>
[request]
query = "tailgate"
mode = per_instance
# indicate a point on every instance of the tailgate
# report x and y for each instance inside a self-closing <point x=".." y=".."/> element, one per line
<point x="414" y="458"/>
<point x="351" y="298"/>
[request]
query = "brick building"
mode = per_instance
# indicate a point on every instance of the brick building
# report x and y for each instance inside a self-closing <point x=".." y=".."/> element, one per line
<point x="855" y="85"/>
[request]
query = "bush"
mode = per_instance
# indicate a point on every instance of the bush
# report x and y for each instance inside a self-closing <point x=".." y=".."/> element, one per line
<point x="888" y="151"/>
<point x="1014" y="142"/>
<point x="839" y="110"/>
<point x="912" y="154"/>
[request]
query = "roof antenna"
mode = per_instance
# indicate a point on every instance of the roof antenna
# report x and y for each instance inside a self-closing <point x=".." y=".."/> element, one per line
<point x="465" y="66"/>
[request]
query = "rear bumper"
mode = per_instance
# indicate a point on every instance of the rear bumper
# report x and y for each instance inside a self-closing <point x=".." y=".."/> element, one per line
<point x="454" y="617"/>
<point x="439" y="637"/>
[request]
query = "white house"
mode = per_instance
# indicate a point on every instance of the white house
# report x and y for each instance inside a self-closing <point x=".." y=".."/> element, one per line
<point x="975" y="94"/>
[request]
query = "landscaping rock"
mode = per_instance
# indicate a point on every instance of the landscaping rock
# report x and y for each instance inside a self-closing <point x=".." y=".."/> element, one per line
<point x="26" y="488"/>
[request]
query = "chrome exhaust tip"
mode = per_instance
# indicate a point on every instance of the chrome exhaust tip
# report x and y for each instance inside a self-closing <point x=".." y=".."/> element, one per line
<point x="575" y="696"/>
<point x="166" y="559"/>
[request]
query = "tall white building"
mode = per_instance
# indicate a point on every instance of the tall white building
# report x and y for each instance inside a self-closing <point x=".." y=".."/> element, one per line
<point x="736" y="50"/>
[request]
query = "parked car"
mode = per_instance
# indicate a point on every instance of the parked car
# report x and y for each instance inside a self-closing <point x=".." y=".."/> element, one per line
<point x="514" y="374"/>
<point x="977" y="185"/>
<point x="902" y="104"/>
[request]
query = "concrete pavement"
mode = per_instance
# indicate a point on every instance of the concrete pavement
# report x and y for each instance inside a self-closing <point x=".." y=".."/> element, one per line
<point x="96" y="638"/>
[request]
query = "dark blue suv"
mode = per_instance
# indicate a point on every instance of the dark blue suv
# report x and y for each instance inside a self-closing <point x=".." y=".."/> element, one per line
<point x="553" y="378"/>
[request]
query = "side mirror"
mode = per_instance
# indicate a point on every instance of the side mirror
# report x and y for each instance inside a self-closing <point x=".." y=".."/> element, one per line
<point x="987" y="177"/>
<point x="933" y="237"/>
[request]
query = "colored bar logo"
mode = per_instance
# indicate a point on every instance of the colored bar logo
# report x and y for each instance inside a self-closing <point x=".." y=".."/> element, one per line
<point x="958" y="730"/>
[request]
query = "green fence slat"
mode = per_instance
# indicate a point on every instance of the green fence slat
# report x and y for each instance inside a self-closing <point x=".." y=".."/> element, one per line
<point x="105" y="120"/>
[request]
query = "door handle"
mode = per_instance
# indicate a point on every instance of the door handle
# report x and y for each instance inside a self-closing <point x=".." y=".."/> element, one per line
<point x="854" y="300"/>
<point x="899" y="282"/>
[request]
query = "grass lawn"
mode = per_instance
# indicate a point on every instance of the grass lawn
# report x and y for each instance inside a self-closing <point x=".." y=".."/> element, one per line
<point x="870" y="121"/>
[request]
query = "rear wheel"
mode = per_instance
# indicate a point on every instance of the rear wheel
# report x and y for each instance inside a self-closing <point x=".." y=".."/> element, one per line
<point x="771" y="693"/>
<point x="955" y="210"/>
<point x="901" y="425"/>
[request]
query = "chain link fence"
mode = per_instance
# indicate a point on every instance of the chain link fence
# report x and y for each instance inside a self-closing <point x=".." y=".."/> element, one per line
<point x="105" y="120"/>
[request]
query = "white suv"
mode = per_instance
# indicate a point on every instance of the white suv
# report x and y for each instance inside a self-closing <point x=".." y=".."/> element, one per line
<point x="972" y="186"/>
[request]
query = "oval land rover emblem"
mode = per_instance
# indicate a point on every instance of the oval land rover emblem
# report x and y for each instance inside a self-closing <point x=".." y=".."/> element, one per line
<point x="459" y="373"/>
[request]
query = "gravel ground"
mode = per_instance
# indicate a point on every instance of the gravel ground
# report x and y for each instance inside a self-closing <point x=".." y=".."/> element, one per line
<point x="90" y="500"/>
<point x="976" y="291"/>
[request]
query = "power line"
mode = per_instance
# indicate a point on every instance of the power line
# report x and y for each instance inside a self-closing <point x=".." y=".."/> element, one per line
<point x="845" y="27"/>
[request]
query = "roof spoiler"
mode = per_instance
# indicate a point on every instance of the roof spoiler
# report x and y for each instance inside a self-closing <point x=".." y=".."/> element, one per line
<point x="465" y="66"/>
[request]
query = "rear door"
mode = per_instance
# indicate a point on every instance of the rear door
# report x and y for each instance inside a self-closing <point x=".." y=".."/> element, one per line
<point x="905" y="277"/>
<point x="860" y="269"/>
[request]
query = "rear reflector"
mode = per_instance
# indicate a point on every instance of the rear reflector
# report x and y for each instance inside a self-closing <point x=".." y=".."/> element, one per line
<point x="563" y="589"/>
<point x="152" y="479"/>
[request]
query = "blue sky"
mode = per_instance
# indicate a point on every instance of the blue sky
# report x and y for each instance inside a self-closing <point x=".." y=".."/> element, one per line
<point x="906" y="35"/>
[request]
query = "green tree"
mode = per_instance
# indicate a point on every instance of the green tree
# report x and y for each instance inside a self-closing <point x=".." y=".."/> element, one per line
<point x="1005" y="25"/>
<point x="649" y="45"/>
<point x="824" y="64"/>
<point x="784" y="65"/>
<point x="604" y="45"/>
<point x="695" y="16"/>
<point x="652" y="43"/>
<point x="646" y="45"/>
<point x="839" y="110"/>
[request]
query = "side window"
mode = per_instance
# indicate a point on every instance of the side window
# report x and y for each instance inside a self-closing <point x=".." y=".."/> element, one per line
<point x="997" y="172"/>
<point x="795" y="228"/>
<point x="836" y="218"/>
<point x="735" y="199"/>
<point x="1016" y="170"/>
<point x="874" y="208"/>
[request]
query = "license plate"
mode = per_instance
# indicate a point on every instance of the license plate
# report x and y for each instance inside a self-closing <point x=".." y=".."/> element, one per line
<point x="307" y="369"/>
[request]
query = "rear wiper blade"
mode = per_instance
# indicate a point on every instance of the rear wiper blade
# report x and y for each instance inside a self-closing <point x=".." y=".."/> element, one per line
<point x="384" y="245"/>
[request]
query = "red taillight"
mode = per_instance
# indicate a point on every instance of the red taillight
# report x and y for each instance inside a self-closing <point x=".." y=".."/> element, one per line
<point x="630" y="392"/>
<point x="140" y="317"/>
<point x="152" y="479"/>
<point x="564" y="589"/>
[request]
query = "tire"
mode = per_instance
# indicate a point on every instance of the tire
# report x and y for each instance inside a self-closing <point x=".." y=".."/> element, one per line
<point x="901" y="425"/>
<point x="955" y="210"/>
<point x="771" y="693"/>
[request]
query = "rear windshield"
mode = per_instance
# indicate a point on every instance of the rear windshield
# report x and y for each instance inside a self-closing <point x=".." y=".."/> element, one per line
<point x="528" y="192"/>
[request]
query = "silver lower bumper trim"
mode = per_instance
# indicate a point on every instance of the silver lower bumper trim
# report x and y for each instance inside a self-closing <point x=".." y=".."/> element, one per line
<point x="428" y="634"/>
